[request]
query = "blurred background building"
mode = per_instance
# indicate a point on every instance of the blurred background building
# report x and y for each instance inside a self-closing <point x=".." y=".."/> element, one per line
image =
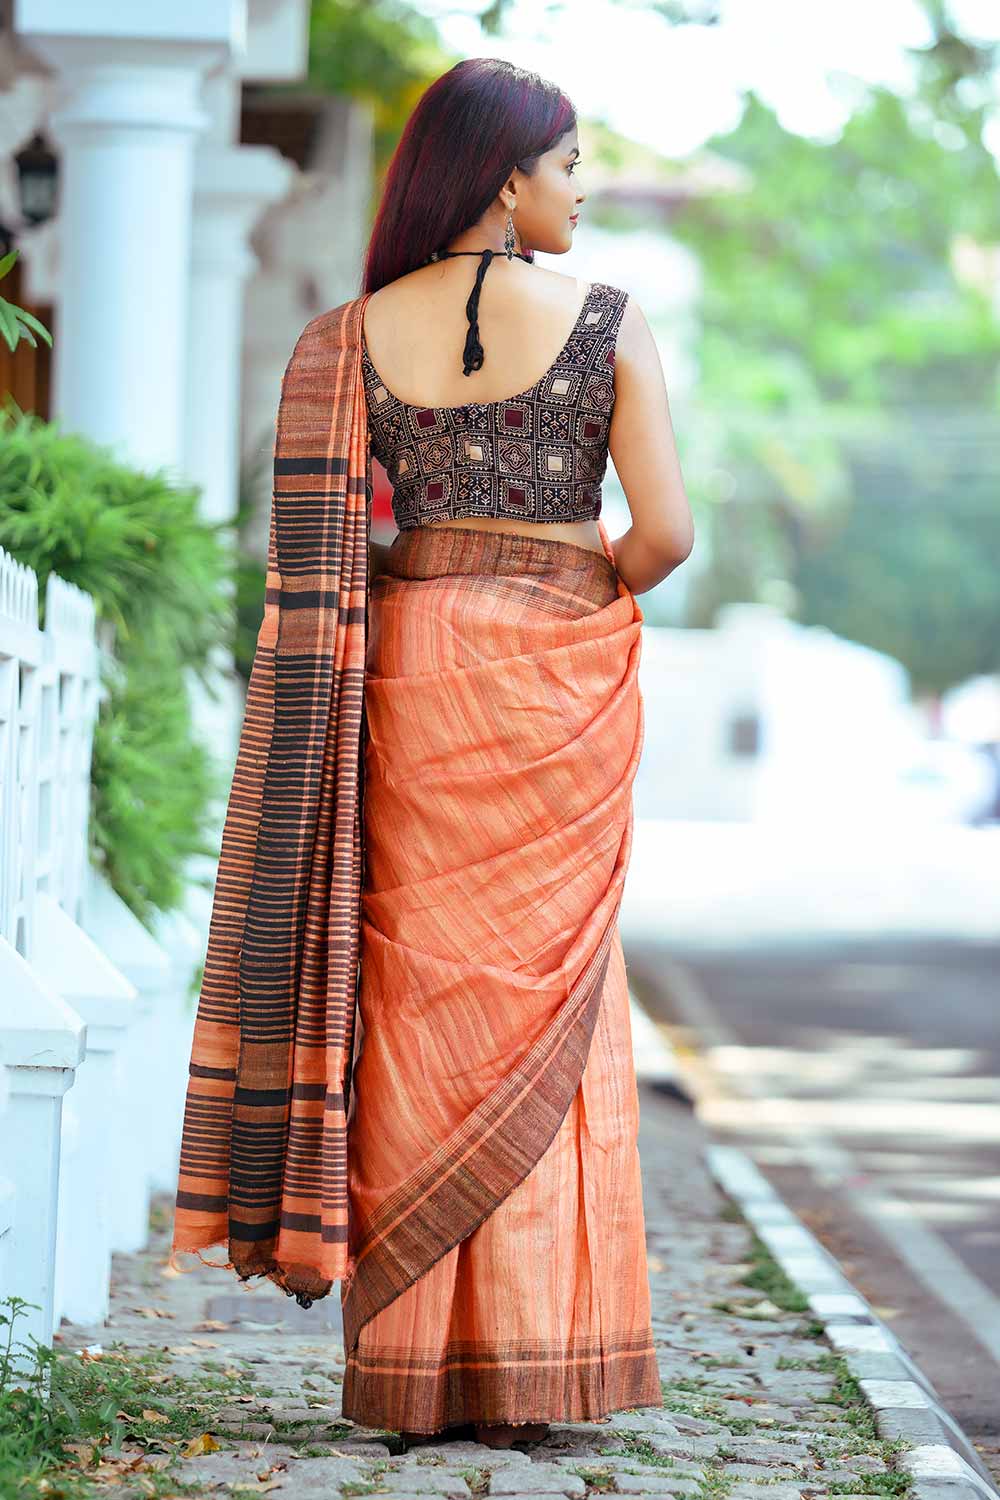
<point x="188" y="185"/>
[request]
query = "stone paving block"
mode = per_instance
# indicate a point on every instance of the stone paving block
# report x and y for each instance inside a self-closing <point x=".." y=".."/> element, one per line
<point x="320" y="1476"/>
<point x="863" y="1463"/>
<point x="805" y="1383"/>
<point x="258" y="1431"/>
<point x="655" y="1482"/>
<point x="687" y="1447"/>
<point x="580" y="1429"/>
<point x="696" y="1425"/>
<point x="401" y="1494"/>
<point x="464" y="1453"/>
<point x="760" y="1472"/>
<point x="541" y="1479"/>
<point x="641" y="1425"/>
<point x="783" y="1490"/>
<point x="338" y="1471"/>
<point x="241" y="1466"/>
<point x="292" y="1408"/>
<point x="759" y="1450"/>
<point x="665" y="1446"/>
<point x="429" y="1480"/>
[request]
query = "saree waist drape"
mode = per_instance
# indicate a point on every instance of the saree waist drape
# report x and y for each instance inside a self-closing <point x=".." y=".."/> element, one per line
<point x="497" y="1267"/>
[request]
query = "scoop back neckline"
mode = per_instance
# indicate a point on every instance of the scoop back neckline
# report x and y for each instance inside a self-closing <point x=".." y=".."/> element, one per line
<point x="500" y="400"/>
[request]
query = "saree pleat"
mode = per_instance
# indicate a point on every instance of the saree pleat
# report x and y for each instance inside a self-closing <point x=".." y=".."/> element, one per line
<point x="497" y="1266"/>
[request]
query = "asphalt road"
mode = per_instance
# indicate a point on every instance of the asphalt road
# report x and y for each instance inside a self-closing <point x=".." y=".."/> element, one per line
<point x="861" y="1071"/>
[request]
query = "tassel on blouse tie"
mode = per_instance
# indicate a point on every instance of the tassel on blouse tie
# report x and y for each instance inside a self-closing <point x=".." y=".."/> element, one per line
<point x="473" y="354"/>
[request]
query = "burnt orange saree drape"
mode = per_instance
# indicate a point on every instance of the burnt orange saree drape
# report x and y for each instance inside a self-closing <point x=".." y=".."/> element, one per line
<point x="497" y="1247"/>
<point x="412" y="1067"/>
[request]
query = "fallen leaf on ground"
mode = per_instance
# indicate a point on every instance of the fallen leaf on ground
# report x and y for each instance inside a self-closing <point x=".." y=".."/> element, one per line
<point x="82" y="1452"/>
<point x="204" y="1443"/>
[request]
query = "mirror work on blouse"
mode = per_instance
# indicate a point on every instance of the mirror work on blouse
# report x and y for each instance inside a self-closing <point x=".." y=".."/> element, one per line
<point x="537" y="456"/>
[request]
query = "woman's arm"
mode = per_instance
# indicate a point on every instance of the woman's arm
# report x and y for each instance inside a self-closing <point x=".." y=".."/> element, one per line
<point x="641" y="442"/>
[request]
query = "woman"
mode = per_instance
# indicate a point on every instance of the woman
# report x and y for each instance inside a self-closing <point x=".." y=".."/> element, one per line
<point x="412" y="1069"/>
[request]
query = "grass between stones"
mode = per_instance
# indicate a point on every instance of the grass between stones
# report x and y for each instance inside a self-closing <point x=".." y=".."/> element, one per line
<point x="850" y="1428"/>
<point x="478" y="1480"/>
<point x="74" y="1424"/>
<point x="598" y="1481"/>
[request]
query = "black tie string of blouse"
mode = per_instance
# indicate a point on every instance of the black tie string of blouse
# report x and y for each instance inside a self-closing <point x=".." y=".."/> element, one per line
<point x="473" y="355"/>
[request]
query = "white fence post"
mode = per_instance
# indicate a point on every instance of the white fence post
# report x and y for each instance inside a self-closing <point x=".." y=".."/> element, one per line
<point x="44" y="1044"/>
<point x="72" y="963"/>
<point x="41" y="1038"/>
<point x="83" y="986"/>
<point x="141" y="1085"/>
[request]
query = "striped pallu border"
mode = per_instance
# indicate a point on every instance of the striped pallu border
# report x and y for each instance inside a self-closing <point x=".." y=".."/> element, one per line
<point x="263" y="1149"/>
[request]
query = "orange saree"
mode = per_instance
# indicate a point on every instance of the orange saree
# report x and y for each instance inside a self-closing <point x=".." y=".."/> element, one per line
<point x="498" y="1266"/>
<point x="412" y="1067"/>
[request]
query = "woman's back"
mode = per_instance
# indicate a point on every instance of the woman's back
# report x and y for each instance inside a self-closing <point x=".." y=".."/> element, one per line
<point x="541" y="332"/>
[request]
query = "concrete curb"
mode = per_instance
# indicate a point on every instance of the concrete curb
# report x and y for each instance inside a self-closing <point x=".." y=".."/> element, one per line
<point x="655" y="1063"/>
<point x="943" y="1460"/>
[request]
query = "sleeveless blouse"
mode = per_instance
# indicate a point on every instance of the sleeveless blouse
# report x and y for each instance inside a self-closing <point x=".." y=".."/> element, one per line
<point x="538" y="456"/>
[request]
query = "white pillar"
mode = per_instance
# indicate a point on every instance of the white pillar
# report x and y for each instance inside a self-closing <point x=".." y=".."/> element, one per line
<point x="232" y="187"/>
<point x="126" y="122"/>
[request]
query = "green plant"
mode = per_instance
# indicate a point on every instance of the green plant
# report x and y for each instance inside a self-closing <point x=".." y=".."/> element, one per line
<point x="74" y="1423"/>
<point x="159" y="575"/>
<point x="15" y="323"/>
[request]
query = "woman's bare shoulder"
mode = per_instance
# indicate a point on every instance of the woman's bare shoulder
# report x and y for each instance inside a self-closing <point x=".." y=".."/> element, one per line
<point x="412" y="289"/>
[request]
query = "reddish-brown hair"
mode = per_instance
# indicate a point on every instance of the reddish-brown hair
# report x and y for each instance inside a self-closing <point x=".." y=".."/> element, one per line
<point x="470" y="129"/>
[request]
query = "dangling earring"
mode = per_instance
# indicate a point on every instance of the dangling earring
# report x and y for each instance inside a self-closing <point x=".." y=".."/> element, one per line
<point x="508" y="239"/>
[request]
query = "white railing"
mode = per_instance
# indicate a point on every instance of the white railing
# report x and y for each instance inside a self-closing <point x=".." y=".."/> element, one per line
<point x="93" y="1019"/>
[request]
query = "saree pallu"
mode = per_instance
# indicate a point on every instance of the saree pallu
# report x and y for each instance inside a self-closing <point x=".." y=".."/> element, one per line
<point x="497" y="1266"/>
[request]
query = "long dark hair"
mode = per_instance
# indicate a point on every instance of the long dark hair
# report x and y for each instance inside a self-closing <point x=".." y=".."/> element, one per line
<point x="470" y="129"/>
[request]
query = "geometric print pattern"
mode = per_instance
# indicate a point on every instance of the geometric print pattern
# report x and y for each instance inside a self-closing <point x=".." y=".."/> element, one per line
<point x="538" y="456"/>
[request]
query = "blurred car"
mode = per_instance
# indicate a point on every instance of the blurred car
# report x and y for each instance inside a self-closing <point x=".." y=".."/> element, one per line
<point x="948" y="781"/>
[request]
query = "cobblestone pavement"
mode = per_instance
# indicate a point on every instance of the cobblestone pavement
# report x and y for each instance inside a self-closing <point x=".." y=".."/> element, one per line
<point x="757" y="1404"/>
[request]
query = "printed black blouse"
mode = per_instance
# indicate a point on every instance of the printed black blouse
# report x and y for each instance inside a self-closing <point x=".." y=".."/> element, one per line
<point x="538" y="456"/>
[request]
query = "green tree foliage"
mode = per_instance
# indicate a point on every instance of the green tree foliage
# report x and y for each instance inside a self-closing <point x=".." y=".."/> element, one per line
<point x="157" y="572"/>
<point x="843" y="443"/>
<point x="15" y="323"/>
<point x="384" y="52"/>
